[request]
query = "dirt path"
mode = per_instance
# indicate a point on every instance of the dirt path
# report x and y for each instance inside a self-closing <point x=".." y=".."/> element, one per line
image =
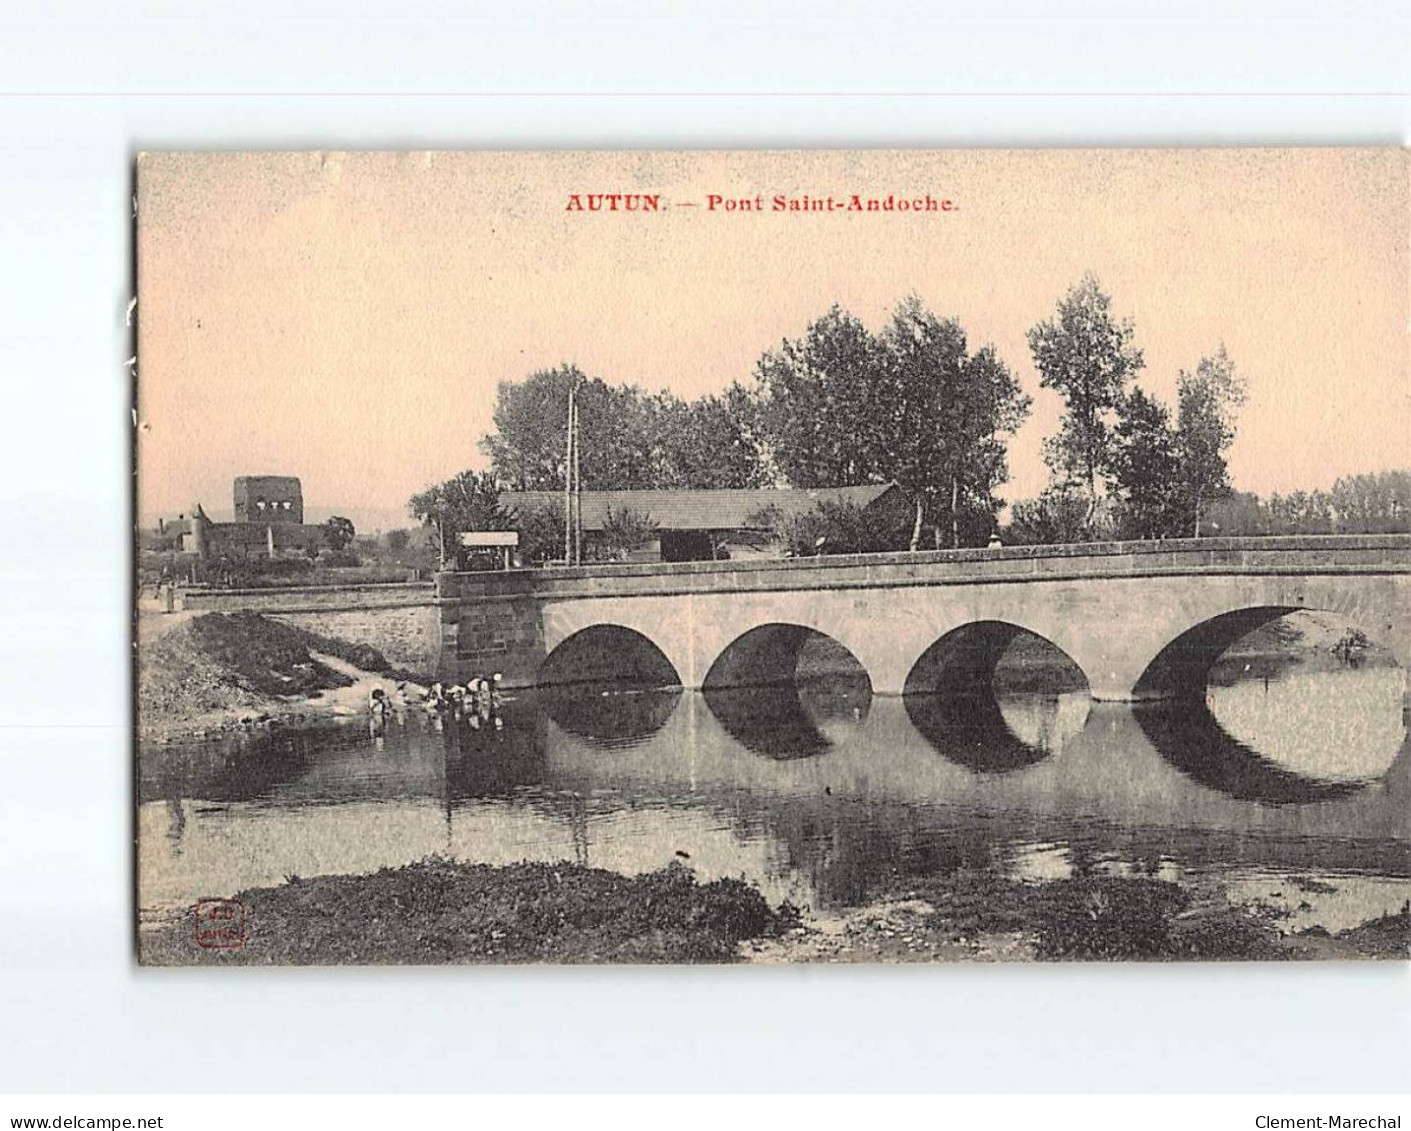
<point x="153" y="622"/>
<point x="353" y="700"/>
<point x="887" y="931"/>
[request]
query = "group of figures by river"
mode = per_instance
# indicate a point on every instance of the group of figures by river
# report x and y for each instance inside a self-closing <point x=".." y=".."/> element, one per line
<point x="1284" y="795"/>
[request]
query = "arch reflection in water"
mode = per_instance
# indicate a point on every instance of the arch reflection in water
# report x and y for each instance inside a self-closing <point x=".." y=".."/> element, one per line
<point x="1305" y="738"/>
<point x="996" y="698"/>
<point x="791" y="721"/>
<point x="787" y="691"/>
<point x="608" y="717"/>
<point x="993" y="734"/>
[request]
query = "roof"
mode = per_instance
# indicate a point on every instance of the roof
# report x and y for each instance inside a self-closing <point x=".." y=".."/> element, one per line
<point x="731" y="509"/>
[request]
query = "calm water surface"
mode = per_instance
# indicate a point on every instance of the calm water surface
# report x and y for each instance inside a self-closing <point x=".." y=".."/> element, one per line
<point x="1282" y="788"/>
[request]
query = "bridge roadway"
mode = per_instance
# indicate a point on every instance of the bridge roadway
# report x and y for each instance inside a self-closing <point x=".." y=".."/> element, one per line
<point x="1141" y="619"/>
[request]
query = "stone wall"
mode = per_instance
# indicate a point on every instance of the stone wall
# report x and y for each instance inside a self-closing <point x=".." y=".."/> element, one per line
<point x="403" y="622"/>
<point x="491" y="622"/>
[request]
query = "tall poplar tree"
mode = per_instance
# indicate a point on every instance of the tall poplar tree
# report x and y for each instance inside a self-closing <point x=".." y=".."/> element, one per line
<point x="1087" y="355"/>
<point x="1208" y="402"/>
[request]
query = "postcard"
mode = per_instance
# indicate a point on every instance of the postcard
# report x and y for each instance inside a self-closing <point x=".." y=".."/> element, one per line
<point x="772" y="557"/>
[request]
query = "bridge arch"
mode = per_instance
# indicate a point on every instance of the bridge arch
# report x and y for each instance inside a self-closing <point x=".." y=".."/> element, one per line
<point x="965" y="661"/>
<point x="609" y="654"/>
<point x="783" y="653"/>
<point x="1161" y="638"/>
<point x="788" y="690"/>
<point x="1181" y="668"/>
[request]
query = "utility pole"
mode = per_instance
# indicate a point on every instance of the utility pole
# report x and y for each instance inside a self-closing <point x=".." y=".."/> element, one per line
<point x="568" y="479"/>
<point x="572" y="486"/>
<point x="577" y="491"/>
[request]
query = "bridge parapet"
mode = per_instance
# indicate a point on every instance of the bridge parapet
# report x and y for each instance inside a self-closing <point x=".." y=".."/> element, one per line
<point x="1303" y="554"/>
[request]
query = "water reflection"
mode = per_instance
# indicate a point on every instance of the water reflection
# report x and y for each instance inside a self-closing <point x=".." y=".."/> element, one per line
<point x="608" y="718"/>
<point x="1328" y="726"/>
<point x="998" y="735"/>
<point x="791" y="721"/>
<point x="489" y="763"/>
<point x="1298" y="739"/>
<point x="813" y="793"/>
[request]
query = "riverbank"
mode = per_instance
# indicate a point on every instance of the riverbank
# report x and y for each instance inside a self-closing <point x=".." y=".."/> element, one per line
<point x="439" y="911"/>
<point x="213" y="672"/>
<point x="976" y="917"/>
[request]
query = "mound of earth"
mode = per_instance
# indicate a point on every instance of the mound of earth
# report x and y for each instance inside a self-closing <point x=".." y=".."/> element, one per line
<point x="237" y="664"/>
<point x="439" y="911"/>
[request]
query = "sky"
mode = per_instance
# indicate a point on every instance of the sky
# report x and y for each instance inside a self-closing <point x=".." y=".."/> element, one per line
<point x="346" y="318"/>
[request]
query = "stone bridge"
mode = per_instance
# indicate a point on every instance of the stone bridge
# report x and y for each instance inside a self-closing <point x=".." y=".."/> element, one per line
<point x="1140" y="619"/>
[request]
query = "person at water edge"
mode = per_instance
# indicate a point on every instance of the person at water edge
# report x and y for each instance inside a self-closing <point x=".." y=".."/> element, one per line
<point x="379" y="705"/>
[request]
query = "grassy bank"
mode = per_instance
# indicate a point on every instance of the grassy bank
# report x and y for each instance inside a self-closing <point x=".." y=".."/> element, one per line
<point x="971" y="916"/>
<point x="221" y="669"/>
<point x="438" y="911"/>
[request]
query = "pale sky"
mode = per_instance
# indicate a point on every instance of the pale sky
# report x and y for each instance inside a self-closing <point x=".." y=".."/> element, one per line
<point x="346" y="317"/>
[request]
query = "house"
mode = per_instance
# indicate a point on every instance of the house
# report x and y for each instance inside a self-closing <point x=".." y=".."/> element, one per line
<point x="699" y="525"/>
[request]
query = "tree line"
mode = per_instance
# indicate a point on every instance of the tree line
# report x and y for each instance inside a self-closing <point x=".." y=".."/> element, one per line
<point x="840" y="405"/>
<point x="912" y="403"/>
<point x="1377" y="503"/>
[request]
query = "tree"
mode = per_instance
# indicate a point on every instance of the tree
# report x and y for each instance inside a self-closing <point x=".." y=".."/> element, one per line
<point x="541" y="533"/>
<point x="630" y="439"/>
<point x="951" y="413"/>
<point x="398" y="540"/>
<point x="1087" y="356"/>
<point x="709" y="443"/>
<point x="911" y="405"/>
<point x="1373" y="504"/>
<point x="1057" y="517"/>
<point x="1146" y="467"/>
<point x="1241" y="514"/>
<point x="338" y="532"/>
<point x="1209" y="400"/>
<point x="625" y="530"/>
<point x="819" y="405"/>
<point x="469" y="501"/>
<point x="834" y="528"/>
<point x="528" y="447"/>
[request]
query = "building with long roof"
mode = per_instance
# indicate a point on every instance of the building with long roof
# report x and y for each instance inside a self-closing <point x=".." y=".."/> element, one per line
<point x="697" y="525"/>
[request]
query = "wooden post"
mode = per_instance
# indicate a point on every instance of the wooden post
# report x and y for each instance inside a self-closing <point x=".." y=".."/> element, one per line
<point x="577" y="491"/>
<point x="568" y="483"/>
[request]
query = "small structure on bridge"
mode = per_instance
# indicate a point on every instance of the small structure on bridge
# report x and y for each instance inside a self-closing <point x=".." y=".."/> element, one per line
<point x="706" y="525"/>
<point x="479" y="546"/>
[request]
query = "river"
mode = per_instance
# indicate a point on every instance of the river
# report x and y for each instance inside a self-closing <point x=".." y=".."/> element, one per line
<point x="1293" y="789"/>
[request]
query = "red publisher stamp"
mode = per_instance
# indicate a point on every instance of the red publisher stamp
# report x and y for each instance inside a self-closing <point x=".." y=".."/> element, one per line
<point x="219" y="924"/>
